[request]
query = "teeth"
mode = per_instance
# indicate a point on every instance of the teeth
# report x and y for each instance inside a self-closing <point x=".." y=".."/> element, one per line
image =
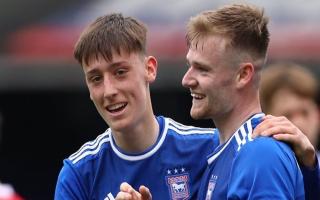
<point x="197" y="96"/>
<point x="116" y="106"/>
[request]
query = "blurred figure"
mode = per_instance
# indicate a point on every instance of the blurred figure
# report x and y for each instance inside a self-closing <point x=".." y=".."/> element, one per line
<point x="7" y="192"/>
<point x="290" y="90"/>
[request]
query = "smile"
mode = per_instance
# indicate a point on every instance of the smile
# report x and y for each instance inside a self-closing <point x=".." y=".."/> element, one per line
<point x="116" y="107"/>
<point x="197" y="96"/>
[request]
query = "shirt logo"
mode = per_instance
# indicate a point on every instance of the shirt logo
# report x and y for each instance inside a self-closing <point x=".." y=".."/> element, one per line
<point x="109" y="197"/>
<point x="178" y="184"/>
<point x="211" y="186"/>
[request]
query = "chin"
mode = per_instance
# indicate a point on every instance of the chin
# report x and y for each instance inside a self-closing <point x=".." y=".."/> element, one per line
<point x="196" y="115"/>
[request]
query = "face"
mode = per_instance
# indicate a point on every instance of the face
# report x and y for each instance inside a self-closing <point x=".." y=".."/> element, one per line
<point x="120" y="88"/>
<point x="302" y="111"/>
<point x="210" y="78"/>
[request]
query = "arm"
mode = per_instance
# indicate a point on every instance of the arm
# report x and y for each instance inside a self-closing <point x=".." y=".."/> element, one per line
<point x="68" y="186"/>
<point x="128" y="193"/>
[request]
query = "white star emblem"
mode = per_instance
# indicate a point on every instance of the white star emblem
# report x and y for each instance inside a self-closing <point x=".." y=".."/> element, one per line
<point x="169" y="171"/>
<point x="182" y="169"/>
<point x="175" y="171"/>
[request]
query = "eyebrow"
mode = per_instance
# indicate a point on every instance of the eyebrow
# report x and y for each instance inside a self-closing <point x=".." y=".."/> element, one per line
<point x="196" y="63"/>
<point x="113" y="65"/>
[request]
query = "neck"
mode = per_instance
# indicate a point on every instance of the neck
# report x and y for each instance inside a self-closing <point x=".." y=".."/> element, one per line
<point x="232" y="120"/>
<point x="140" y="136"/>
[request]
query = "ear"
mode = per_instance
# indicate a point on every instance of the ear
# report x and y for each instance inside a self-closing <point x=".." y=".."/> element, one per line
<point x="151" y="67"/>
<point x="245" y="74"/>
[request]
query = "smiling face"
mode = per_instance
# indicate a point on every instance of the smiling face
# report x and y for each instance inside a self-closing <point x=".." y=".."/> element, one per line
<point x="210" y="78"/>
<point x="120" y="88"/>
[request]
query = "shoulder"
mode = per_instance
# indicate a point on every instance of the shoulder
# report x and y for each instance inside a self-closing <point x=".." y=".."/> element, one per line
<point x="185" y="133"/>
<point x="267" y="151"/>
<point x="91" y="149"/>
<point x="266" y="144"/>
<point x="187" y="130"/>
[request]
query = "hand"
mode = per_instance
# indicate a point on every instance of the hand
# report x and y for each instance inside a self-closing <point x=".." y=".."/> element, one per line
<point x="282" y="129"/>
<point x="128" y="193"/>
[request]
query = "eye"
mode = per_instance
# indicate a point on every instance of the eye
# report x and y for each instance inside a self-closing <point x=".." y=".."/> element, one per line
<point x="202" y="69"/>
<point x="121" y="72"/>
<point x="95" y="79"/>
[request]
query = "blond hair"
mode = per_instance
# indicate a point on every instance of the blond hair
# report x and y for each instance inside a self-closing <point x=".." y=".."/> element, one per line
<point x="244" y="25"/>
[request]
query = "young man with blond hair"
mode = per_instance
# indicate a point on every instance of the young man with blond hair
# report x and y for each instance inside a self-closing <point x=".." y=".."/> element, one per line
<point x="227" y="51"/>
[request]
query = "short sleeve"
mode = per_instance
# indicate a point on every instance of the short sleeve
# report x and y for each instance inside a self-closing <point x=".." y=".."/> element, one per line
<point x="68" y="185"/>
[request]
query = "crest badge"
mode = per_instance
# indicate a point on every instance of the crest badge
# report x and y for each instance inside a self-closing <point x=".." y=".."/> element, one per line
<point x="178" y="184"/>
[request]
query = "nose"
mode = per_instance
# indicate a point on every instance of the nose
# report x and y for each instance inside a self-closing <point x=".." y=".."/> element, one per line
<point x="188" y="80"/>
<point x="110" y="89"/>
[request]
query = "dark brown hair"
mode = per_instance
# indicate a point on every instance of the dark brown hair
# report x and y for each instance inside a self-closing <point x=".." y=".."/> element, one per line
<point x="110" y="34"/>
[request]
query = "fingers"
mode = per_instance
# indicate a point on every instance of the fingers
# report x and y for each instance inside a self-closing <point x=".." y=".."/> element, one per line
<point x="145" y="193"/>
<point x="127" y="193"/>
<point x="285" y="138"/>
<point x="123" y="196"/>
<point x="124" y="187"/>
<point x="272" y="125"/>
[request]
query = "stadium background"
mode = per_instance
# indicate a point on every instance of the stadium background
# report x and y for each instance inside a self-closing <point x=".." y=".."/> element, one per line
<point x="45" y="111"/>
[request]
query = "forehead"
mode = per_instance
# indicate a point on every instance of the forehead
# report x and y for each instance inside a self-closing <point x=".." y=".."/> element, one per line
<point x="210" y="47"/>
<point x="122" y="57"/>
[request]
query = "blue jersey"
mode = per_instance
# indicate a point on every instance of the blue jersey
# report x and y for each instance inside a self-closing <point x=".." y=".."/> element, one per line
<point x="171" y="168"/>
<point x="243" y="168"/>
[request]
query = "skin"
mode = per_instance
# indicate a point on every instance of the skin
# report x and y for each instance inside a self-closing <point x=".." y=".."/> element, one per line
<point x="220" y="86"/>
<point x="127" y="192"/>
<point x="120" y="91"/>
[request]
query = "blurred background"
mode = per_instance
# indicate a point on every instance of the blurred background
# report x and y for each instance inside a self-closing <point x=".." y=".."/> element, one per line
<point x="45" y="110"/>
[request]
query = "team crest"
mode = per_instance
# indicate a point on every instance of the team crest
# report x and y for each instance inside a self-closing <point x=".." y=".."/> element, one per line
<point x="178" y="186"/>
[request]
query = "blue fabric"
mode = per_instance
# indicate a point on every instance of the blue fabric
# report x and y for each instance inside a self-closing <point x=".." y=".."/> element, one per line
<point x="311" y="177"/>
<point x="172" y="168"/>
<point x="243" y="168"/>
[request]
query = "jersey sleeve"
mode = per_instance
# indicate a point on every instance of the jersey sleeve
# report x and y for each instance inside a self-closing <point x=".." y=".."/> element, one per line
<point x="311" y="178"/>
<point x="69" y="186"/>
<point x="266" y="170"/>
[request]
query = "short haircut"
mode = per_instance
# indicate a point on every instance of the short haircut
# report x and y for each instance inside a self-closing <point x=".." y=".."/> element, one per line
<point x="244" y="25"/>
<point x="291" y="76"/>
<point x="110" y="34"/>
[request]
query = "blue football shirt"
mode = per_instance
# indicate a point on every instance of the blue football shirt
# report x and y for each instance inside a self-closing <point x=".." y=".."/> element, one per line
<point x="243" y="168"/>
<point x="171" y="168"/>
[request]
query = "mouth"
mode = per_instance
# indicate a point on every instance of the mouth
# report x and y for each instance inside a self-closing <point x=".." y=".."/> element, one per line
<point x="197" y="96"/>
<point x="116" y="107"/>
